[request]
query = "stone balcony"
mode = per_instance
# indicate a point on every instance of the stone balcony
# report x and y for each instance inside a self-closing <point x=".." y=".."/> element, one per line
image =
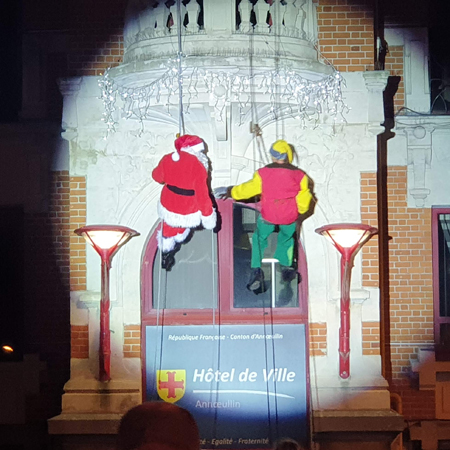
<point x="223" y="33"/>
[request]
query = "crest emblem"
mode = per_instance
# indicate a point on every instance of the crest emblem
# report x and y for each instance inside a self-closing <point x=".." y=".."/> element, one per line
<point x="171" y="384"/>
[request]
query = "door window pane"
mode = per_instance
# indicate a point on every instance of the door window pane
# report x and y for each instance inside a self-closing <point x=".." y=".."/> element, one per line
<point x="284" y="294"/>
<point x="192" y="281"/>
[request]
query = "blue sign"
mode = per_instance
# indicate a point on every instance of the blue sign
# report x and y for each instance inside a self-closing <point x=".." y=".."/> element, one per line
<point x="244" y="384"/>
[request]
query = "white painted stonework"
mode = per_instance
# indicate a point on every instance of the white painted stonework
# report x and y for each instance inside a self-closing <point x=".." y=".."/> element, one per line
<point x="120" y="189"/>
<point x="421" y="139"/>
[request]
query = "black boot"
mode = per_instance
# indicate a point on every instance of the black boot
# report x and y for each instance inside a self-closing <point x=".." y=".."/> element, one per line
<point x="256" y="281"/>
<point x="288" y="273"/>
<point x="168" y="260"/>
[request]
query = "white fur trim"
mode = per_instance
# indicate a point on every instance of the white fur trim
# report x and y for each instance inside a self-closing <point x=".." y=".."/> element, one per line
<point x="194" y="148"/>
<point x="198" y="154"/>
<point x="179" y="220"/>
<point x="181" y="237"/>
<point x="166" y="244"/>
<point x="175" y="156"/>
<point x="209" y="222"/>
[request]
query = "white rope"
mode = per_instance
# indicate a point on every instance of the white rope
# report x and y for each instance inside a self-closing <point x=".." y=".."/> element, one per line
<point x="181" y="129"/>
<point x="159" y="330"/>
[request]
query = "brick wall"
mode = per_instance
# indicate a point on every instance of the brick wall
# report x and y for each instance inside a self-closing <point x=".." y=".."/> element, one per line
<point x="47" y="268"/>
<point x="77" y="244"/>
<point x="371" y="338"/>
<point x="317" y="339"/>
<point x="46" y="288"/>
<point x="345" y="30"/>
<point x="132" y="341"/>
<point x="96" y="41"/>
<point x="370" y="330"/>
<point x="410" y="255"/>
<point x="394" y="63"/>
<point x="79" y="341"/>
<point x="369" y="217"/>
<point x="411" y="293"/>
<point x="411" y="299"/>
<point x="60" y="222"/>
<point x="369" y="259"/>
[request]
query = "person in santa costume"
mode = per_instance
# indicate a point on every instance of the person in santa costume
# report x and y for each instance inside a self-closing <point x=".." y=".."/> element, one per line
<point x="185" y="201"/>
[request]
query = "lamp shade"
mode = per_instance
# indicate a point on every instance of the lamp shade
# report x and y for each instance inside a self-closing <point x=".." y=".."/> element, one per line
<point x="348" y="238"/>
<point x="106" y="239"/>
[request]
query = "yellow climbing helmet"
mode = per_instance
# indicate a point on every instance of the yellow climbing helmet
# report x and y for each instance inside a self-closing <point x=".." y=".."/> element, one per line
<point x="281" y="149"/>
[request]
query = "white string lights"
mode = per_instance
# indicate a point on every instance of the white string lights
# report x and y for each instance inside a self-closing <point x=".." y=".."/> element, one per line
<point x="289" y="93"/>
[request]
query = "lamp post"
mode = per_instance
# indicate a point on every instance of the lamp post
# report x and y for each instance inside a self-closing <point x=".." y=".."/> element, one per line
<point x="348" y="238"/>
<point x="106" y="240"/>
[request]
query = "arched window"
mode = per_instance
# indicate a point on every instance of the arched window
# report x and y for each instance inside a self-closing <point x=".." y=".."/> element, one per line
<point x="208" y="281"/>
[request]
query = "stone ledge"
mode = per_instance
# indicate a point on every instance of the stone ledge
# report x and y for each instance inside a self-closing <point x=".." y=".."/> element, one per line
<point x="357" y="421"/>
<point x="69" y="424"/>
<point x="77" y="385"/>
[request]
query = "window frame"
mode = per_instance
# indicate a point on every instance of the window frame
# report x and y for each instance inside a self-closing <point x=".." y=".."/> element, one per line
<point x="438" y="319"/>
<point x="232" y="315"/>
<point x="225" y="313"/>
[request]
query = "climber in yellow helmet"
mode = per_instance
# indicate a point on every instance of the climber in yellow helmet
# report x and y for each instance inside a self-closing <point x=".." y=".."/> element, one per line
<point x="284" y="194"/>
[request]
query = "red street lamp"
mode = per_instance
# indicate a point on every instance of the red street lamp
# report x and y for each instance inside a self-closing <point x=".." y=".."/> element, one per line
<point x="348" y="238"/>
<point x="106" y="240"/>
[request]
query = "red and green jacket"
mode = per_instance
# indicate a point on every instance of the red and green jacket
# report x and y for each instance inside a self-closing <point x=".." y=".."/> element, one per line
<point x="284" y="192"/>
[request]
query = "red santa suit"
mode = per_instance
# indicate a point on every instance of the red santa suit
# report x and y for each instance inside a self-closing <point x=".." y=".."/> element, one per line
<point x="185" y="202"/>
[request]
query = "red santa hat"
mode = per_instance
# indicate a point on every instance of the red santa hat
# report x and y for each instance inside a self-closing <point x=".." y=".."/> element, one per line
<point x="188" y="143"/>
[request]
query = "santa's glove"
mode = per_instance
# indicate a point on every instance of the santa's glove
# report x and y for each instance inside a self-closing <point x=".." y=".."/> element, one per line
<point x="223" y="192"/>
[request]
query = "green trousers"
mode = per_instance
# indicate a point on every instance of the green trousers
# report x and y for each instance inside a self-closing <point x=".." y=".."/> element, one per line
<point x="285" y="242"/>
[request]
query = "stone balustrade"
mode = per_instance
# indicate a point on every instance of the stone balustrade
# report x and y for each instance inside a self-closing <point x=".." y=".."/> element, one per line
<point x="146" y="23"/>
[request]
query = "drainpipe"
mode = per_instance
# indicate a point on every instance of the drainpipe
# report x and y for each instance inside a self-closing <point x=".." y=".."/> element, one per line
<point x="383" y="251"/>
<point x="380" y="50"/>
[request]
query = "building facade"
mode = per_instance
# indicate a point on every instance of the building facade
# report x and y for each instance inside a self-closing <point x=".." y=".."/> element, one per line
<point x="373" y="163"/>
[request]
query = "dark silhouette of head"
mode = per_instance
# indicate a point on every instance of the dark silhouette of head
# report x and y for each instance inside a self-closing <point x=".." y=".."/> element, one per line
<point x="288" y="444"/>
<point x="158" y="426"/>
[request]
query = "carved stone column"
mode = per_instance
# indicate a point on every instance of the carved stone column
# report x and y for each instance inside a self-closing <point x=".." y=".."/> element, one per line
<point x="161" y="13"/>
<point x="193" y="11"/>
<point x="291" y="11"/>
<point x="69" y="88"/>
<point x="277" y="14"/>
<point x="173" y="10"/>
<point x="308" y="26"/>
<point x="245" y="10"/>
<point x="419" y="146"/>
<point x="375" y="83"/>
<point x="261" y="9"/>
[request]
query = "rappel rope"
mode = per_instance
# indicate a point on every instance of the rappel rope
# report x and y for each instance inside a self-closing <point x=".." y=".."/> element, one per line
<point x="181" y="129"/>
<point x="159" y="327"/>
<point x="263" y="157"/>
<point x="277" y="34"/>
<point x="254" y="127"/>
<point x="256" y="131"/>
<point x="163" y="279"/>
<point x="215" y="357"/>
